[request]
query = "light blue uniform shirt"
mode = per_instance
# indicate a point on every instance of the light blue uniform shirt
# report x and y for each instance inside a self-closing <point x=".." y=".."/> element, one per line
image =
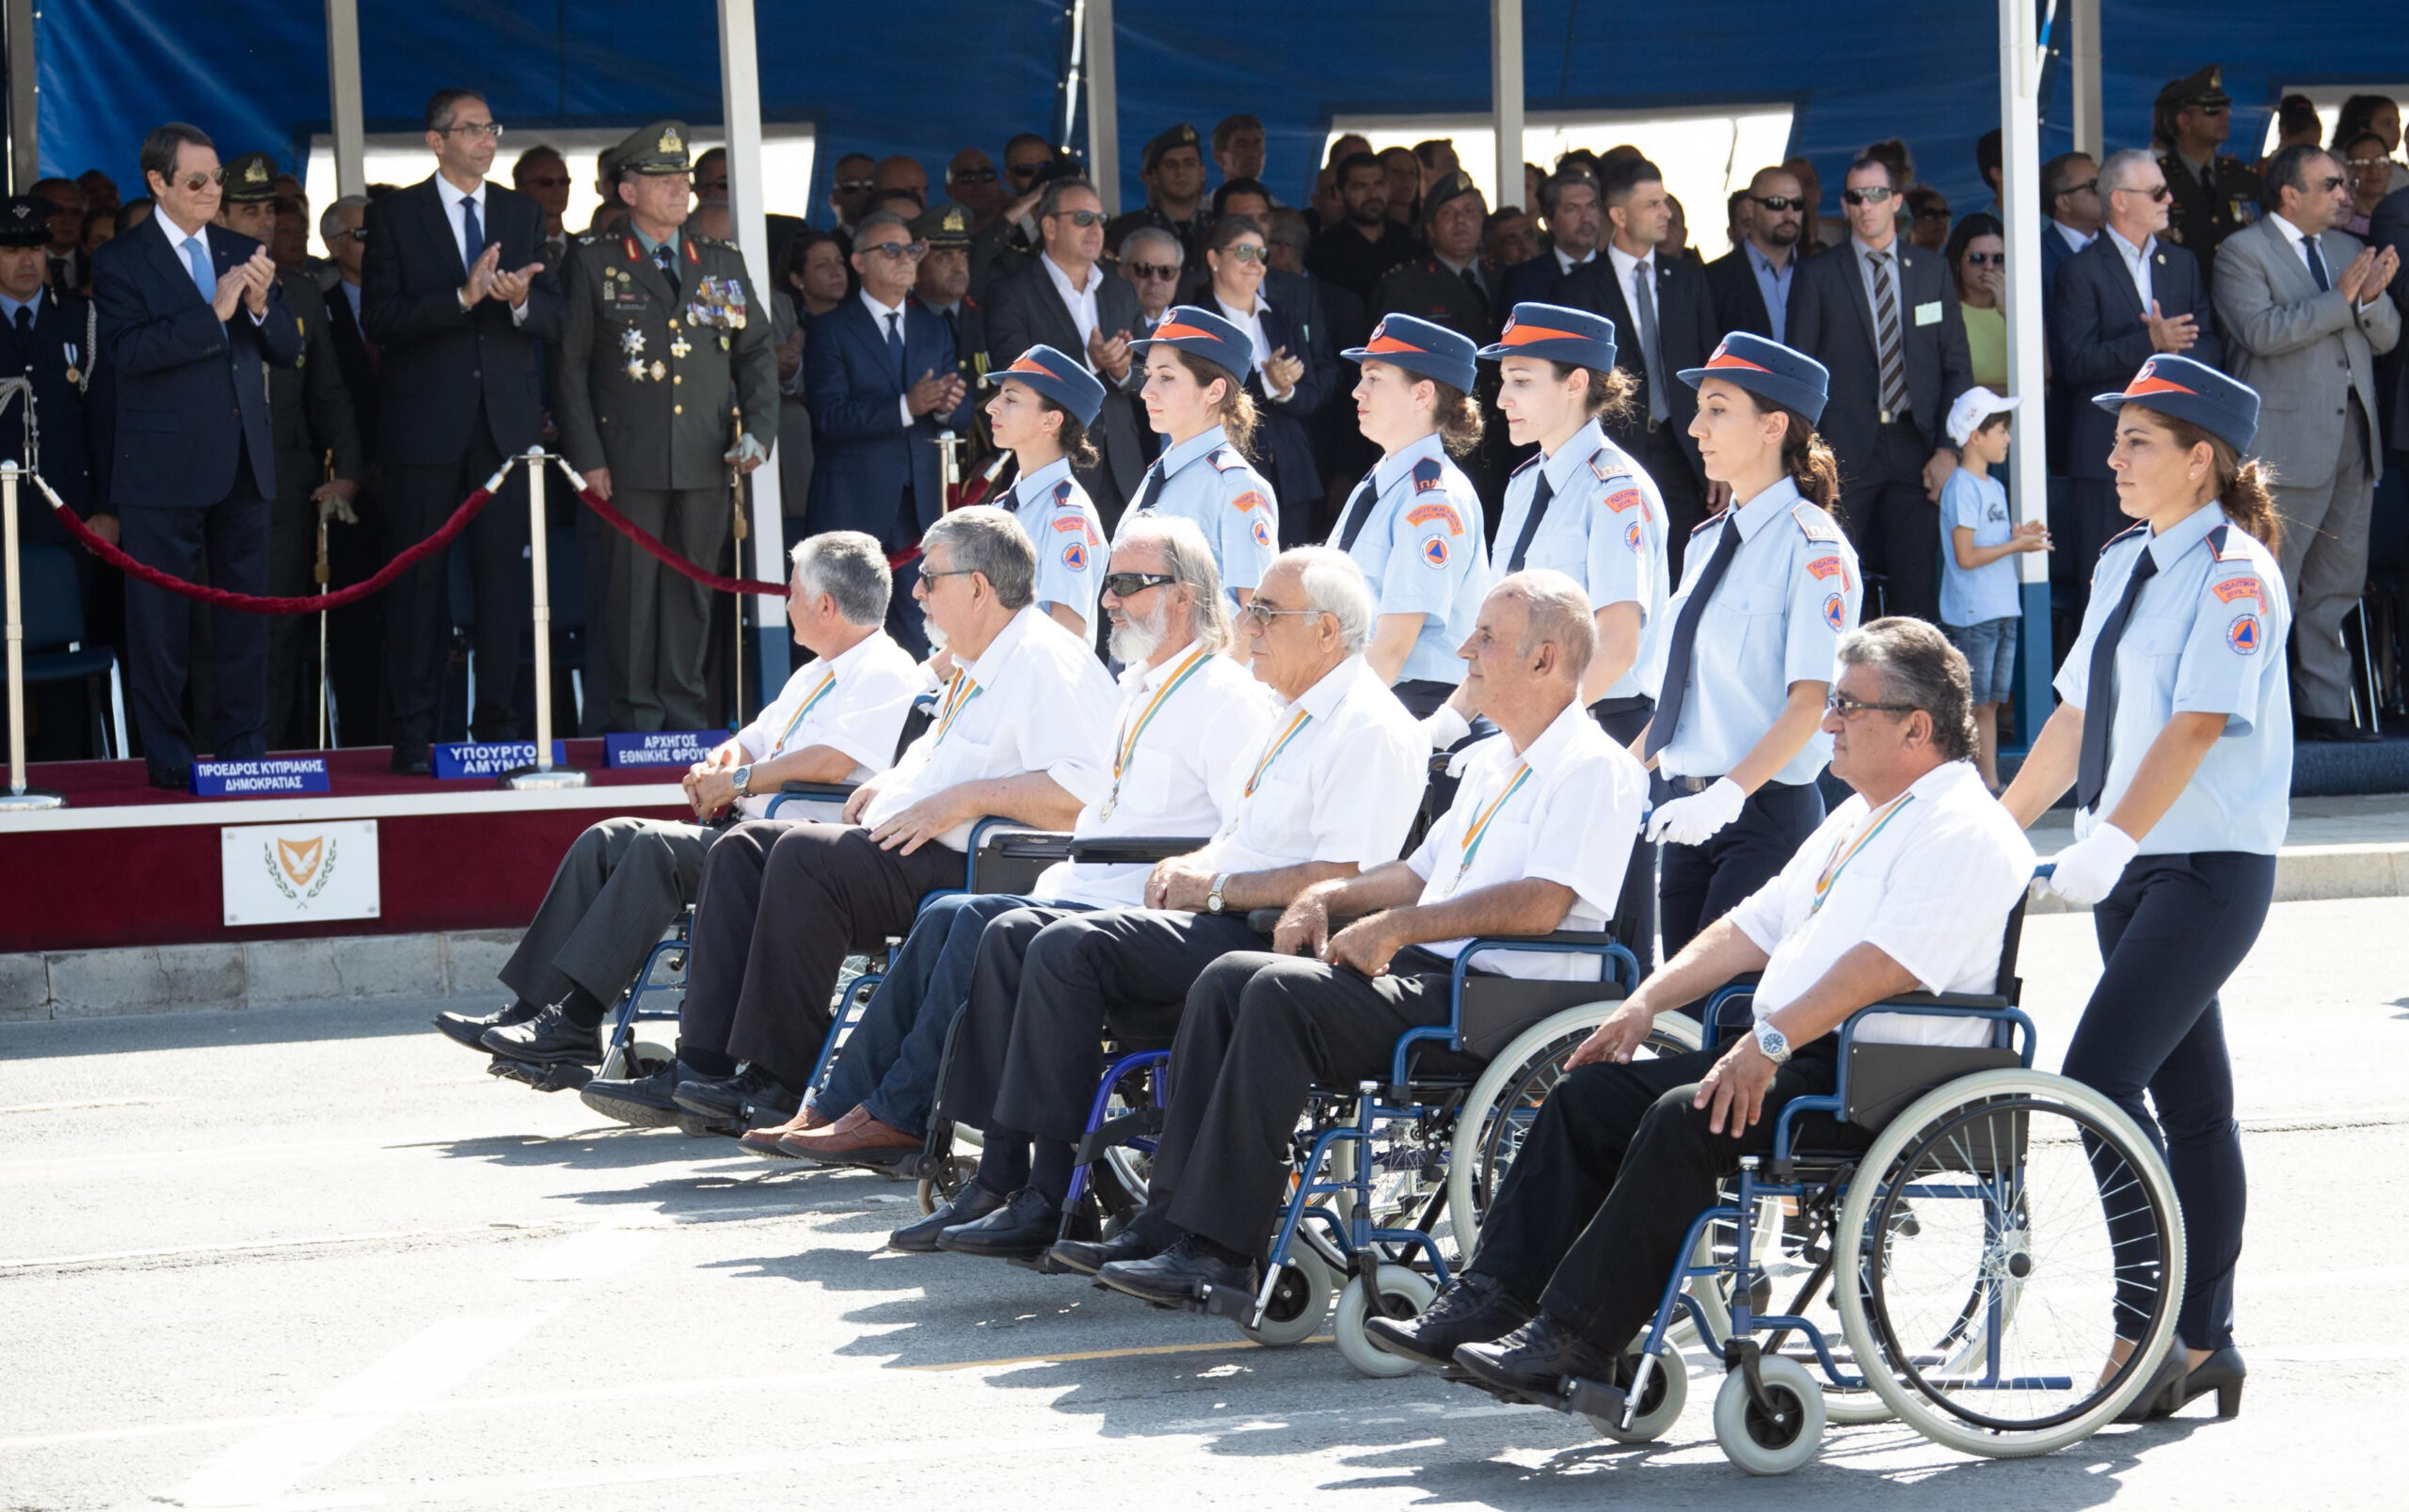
<point x="2206" y="637"/>
<point x="1982" y="593"/>
<point x="1422" y="551"/>
<point x="1604" y="529"/>
<point x="1068" y="535"/>
<point x="1205" y="480"/>
<point x="1791" y="592"/>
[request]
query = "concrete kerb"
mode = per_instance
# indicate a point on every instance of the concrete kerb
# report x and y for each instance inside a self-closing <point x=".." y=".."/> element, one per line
<point x="177" y="978"/>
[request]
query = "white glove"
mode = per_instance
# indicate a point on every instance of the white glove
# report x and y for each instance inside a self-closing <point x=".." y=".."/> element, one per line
<point x="1445" y="727"/>
<point x="2087" y="870"/>
<point x="1691" y="820"/>
<point x="747" y="454"/>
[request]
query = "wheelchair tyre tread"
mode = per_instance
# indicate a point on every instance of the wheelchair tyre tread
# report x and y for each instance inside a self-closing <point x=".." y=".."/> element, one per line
<point x="1757" y="1445"/>
<point x="1404" y="1293"/>
<point x="1669" y="1393"/>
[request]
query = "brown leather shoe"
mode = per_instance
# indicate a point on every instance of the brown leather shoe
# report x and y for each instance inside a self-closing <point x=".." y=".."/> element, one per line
<point x="764" y="1143"/>
<point x="847" y="1142"/>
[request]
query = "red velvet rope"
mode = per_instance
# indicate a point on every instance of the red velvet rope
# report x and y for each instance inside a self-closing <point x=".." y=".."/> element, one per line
<point x="671" y="560"/>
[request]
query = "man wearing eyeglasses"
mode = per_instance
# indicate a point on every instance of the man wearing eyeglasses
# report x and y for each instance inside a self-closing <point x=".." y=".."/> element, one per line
<point x="852" y="182"/>
<point x="1752" y="283"/>
<point x="2215" y="194"/>
<point x="542" y="175"/>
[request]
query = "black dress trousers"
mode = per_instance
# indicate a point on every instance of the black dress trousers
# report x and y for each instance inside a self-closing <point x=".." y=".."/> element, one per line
<point x="1702" y="882"/>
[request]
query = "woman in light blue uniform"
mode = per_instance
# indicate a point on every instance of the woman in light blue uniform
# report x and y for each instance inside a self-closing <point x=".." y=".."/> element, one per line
<point x="2176" y="734"/>
<point x="1768" y="588"/>
<point x="1043" y="404"/>
<point x="1196" y="369"/>
<point x="1414" y="525"/>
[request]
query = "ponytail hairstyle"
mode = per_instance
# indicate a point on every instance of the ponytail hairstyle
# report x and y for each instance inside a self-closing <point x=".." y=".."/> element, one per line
<point x="1610" y="390"/>
<point x="1236" y="413"/>
<point x="1806" y="458"/>
<point x="1459" y="418"/>
<point x="2244" y="485"/>
<point x="1070" y="436"/>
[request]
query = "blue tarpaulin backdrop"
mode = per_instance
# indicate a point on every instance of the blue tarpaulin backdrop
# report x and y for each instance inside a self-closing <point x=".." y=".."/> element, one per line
<point x="930" y="76"/>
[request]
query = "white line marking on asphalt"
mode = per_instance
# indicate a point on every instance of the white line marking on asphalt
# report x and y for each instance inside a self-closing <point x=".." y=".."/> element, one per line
<point x="67" y="1107"/>
<point x="588" y="1256"/>
<point x="240" y="1246"/>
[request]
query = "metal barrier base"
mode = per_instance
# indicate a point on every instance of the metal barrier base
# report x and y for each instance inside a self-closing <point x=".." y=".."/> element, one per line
<point x="30" y="800"/>
<point x="527" y="779"/>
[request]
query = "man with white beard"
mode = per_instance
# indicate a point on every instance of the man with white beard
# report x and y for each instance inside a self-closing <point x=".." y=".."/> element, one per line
<point x="1186" y="714"/>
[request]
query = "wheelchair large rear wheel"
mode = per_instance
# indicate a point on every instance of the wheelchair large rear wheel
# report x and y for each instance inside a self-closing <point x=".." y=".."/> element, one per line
<point x="1498" y="1110"/>
<point x="2043" y="1229"/>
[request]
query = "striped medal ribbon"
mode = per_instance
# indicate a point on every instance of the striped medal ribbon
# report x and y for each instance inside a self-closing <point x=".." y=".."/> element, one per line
<point x="1845" y="851"/>
<point x="1126" y="746"/>
<point x="809" y="704"/>
<point x="1272" y="754"/>
<point x="958" y="694"/>
<point x="1479" y="830"/>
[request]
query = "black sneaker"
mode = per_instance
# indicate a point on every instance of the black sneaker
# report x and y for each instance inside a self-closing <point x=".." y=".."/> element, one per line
<point x="468" y="1029"/>
<point x="748" y="1099"/>
<point x="547" y="1039"/>
<point x="1474" y="1310"/>
<point x="642" y="1101"/>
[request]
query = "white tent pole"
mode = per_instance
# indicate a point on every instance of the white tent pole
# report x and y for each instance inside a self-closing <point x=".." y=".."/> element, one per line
<point x="1506" y="98"/>
<point x="24" y="98"/>
<point x="1104" y="105"/>
<point x="344" y="98"/>
<point x="2083" y="75"/>
<point x="740" y="84"/>
<point x="2019" y="80"/>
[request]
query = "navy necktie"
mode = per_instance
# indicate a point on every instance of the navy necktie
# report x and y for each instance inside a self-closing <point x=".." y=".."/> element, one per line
<point x="1539" y="497"/>
<point x="2316" y="263"/>
<point x="664" y="257"/>
<point x="475" y="231"/>
<point x="2100" y="718"/>
<point x="25" y="321"/>
<point x="1677" y="654"/>
<point x="1149" y="487"/>
<point x="895" y="345"/>
<point x="1359" y="513"/>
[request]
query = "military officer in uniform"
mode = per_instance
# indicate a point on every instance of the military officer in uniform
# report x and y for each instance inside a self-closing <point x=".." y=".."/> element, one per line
<point x="1449" y="287"/>
<point x="666" y="382"/>
<point x="52" y="339"/>
<point x="312" y="419"/>
<point x="1173" y="166"/>
<point x="2215" y="194"/>
<point x="943" y="289"/>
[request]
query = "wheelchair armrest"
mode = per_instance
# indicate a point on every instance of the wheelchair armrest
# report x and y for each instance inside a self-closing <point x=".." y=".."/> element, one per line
<point x="1976" y="1001"/>
<point x="1030" y="845"/>
<point x="1132" y="850"/>
<point x="818" y="792"/>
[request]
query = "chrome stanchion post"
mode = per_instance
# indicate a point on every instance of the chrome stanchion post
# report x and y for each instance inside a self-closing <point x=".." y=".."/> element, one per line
<point x="950" y="461"/>
<point x="18" y="796"/>
<point x="543" y="773"/>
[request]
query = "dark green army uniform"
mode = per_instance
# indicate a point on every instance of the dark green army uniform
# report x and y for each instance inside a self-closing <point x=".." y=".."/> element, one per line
<point x="2209" y="201"/>
<point x="665" y="370"/>
<point x="1465" y="302"/>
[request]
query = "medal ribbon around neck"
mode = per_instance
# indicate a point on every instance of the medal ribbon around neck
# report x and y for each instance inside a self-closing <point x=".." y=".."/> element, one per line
<point x="1279" y="745"/>
<point x="809" y="704"/>
<point x="1838" y="862"/>
<point x="1479" y="830"/>
<point x="1126" y="745"/>
<point x="958" y="694"/>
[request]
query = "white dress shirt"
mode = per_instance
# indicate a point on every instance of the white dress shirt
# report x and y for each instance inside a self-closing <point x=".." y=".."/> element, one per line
<point x="1251" y="321"/>
<point x="1570" y="821"/>
<point x="1928" y="880"/>
<point x="854" y="702"/>
<point x="1081" y="302"/>
<point x="2076" y="241"/>
<point x="1629" y="272"/>
<point x="1334" y="776"/>
<point x="1171" y="771"/>
<point x="878" y="314"/>
<point x="2136" y="261"/>
<point x="1036" y="700"/>
<point x="1566" y="264"/>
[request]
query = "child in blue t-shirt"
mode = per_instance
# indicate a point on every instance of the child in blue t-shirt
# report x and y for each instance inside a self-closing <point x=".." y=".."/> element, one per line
<point x="1980" y="603"/>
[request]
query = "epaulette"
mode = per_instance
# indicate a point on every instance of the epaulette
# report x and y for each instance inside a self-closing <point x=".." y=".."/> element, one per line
<point x="1063" y="491"/>
<point x="2136" y="529"/>
<point x="1536" y="460"/>
<point x="1226" y="458"/>
<point x="1815" y="524"/>
<point x="1711" y="520"/>
<point x="2223" y="546"/>
<point x="586" y="238"/>
<point x="1428" y="475"/>
<point x="1602" y="469"/>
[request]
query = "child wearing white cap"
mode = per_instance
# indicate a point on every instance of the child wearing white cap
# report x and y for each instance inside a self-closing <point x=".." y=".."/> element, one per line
<point x="1980" y="605"/>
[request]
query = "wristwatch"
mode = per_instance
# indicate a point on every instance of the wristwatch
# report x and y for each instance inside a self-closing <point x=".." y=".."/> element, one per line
<point x="743" y="779"/>
<point x="1775" y="1043"/>
<point x="1213" y="898"/>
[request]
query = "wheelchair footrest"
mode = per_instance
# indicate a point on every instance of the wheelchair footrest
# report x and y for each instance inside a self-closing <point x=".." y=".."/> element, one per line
<point x="1046" y="1265"/>
<point x="1120" y="1131"/>
<point x="564" y="1076"/>
<point x="1593" y="1399"/>
<point x="1225" y="1302"/>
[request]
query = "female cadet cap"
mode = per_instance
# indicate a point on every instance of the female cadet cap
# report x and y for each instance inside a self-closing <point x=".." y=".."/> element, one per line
<point x="1424" y="350"/>
<point x="1558" y="334"/>
<point x="2226" y="408"/>
<point x="1061" y="378"/>
<point x="1202" y="333"/>
<point x="1769" y="369"/>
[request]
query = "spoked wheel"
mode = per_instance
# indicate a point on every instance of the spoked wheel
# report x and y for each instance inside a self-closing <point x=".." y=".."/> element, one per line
<point x="1776" y="1436"/>
<point x="1300" y="1300"/>
<point x="1117" y="1180"/>
<point x="947" y="1183"/>
<point x="2043" y="1229"/>
<point x="1403" y="1294"/>
<point x="1498" y="1110"/>
<point x="1792" y="1257"/>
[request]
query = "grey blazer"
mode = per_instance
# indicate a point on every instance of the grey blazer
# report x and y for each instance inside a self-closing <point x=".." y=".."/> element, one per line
<point x="2305" y="351"/>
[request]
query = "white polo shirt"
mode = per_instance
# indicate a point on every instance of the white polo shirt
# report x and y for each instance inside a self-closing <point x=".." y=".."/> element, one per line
<point x="1181" y="729"/>
<point x="1036" y="700"/>
<point x="854" y="702"/>
<point x="1335" y="776"/>
<point x="1565" y="811"/>
<point x="1927" y="878"/>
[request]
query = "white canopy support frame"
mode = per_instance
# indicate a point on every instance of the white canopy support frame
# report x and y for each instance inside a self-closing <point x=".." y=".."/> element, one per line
<point x="1506" y="98"/>
<point x="739" y="85"/>
<point x="2020" y="62"/>
<point x="344" y="108"/>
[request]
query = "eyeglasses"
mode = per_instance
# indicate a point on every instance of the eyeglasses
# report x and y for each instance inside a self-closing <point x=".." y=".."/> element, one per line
<point x="1933" y="213"/>
<point x="899" y="252"/>
<point x="972" y="176"/>
<point x="1248" y="252"/>
<point x="547" y="182"/>
<point x="949" y="572"/>
<point x="1164" y="271"/>
<point x="856" y="186"/>
<point x="1984" y="260"/>
<point x="2212" y="110"/>
<point x="2091" y="183"/>
<point x="1847" y="708"/>
<point x="2364" y="163"/>
<point x="195" y="182"/>
<point x="720" y="183"/>
<point x="1264" y="614"/>
<point x="489" y="130"/>
<point x="1872" y="194"/>
<point x="1778" y="202"/>
<point x="2156" y="193"/>
<point x="1082" y="218"/>
<point x="1130" y="584"/>
<point x="2330" y="184"/>
<point x="1023" y="172"/>
<point x="352" y="234"/>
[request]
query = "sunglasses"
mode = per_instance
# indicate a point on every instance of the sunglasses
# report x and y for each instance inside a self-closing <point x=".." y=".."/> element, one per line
<point x="489" y="130"/>
<point x="1847" y="708"/>
<point x="720" y="183"/>
<point x="1156" y="270"/>
<point x="1873" y="194"/>
<point x="899" y="252"/>
<point x="1130" y="584"/>
<point x="856" y="186"/>
<point x="1082" y="218"/>
<point x="2091" y="183"/>
<point x="547" y="182"/>
<point x="1930" y="212"/>
<point x="1984" y="260"/>
<point x="1023" y="172"/>
<point x="2331" y="183"/>
<point x="1246" y="251"/>
<point x="1778" y="202"/>
<point x="975" y="176"/>
<point x="2158" y="192"/>
<point x="355" y="233"/>
<point x="195" y="182"/>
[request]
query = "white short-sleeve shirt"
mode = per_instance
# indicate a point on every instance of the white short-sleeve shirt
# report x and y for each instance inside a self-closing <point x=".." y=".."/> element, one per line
<point x="1420" y="549"/>
<point x="854" y="702"/>
<point x="1067" y="533"/>
<point x="1335" y="776"/>
<point x="1604" y="529"/>
<point x="1204" y="479"/>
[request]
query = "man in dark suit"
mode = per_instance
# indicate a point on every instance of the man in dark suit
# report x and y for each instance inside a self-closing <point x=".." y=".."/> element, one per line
<point x="880" y="374"/>
<point x="457" y="299"/>
<point x="1666" y="317"/>
<point x="2388" y="228"/>
<point x="1571" y="200"/>
<point x="2126" y="297"/>
<point x="356" y="633"/>
<point x="1354" y="253"/>
<point x="1750" y="284"/>
<point x="1882" y="318"/>
<point x="190" y="319"/>
<point x="1065" y="299"/>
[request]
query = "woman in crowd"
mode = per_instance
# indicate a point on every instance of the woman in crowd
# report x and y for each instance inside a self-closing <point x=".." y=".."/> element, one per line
<point x="1043" y="404"/>
<point x="1284" y="387"/>
<point x="1977" y="255"/>
<point x="1197" y="364"/>
<point x="815" y="283"/>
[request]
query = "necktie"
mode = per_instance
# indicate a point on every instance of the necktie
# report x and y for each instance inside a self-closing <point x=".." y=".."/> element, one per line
<point x="1471" y="282"/>
<point x="2316" y="263"/>
<point x="664" y="257"/>
<point x="25" y="321"/>
<point x="1539" y="497"/>
<point x="2091" y="778"/>
<point x="1677" y="654"/>
<point x="196" y="259"/>
<point x="474" y="234"/>
<point x="1147" y="487"/>
<point x="1358" y="510"/>
<point x="895" y="345"/>
<point x="1643" y="279"/>
<point x="1885" y="326"/>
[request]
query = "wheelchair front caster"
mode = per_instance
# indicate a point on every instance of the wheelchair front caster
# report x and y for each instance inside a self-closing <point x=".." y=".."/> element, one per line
<point x="1404" y="1293"/>
<point x="1659" y="1401"/>
<point x="1776" y="1436"/>
<point x="1300" y="1301"/>
<point x="944" y="1184"/>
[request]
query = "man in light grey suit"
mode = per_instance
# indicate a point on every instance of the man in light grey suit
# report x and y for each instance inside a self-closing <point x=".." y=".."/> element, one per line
<point x="2303" y="315"/>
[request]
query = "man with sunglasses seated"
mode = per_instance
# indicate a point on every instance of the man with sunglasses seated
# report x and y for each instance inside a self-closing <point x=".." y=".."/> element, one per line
<point x="1327" y="789"/>
<point x="1906" y="887"/>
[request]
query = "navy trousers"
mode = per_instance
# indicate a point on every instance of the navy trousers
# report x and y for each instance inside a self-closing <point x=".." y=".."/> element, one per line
<point x="1702" y="882"/>
<point x="231" y="536"/>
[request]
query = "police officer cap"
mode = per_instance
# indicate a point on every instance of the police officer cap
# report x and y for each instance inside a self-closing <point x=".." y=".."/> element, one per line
<point x="943" y="224"/>
<point x="1182" y="134"/>
<point x="2226" y="408"/>
<point x="24" y="221"/>
<point x="1447" y="187"/>
<point x="1558" y="334"/>
<point x="660" y="148"/>
<point x="250" y="179"/>
<point x="1060" y="378"/>
<point x="1420" y="348"/>
<point x="2206" y="88"/>
<point x="1204" y="334"/>
<point x="1769" y="369"/>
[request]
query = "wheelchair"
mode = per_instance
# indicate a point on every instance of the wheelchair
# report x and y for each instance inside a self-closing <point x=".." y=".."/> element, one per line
<point x="1983" y="1232"/>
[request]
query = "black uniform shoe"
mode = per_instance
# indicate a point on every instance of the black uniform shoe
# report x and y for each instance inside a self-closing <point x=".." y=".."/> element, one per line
<point x="1022" y="1228"/>
<point x="171" y="779"/>
<point x="2312" y="727"/>
<point x="969" y="1205"/>
<point x="1088" y="1256"/>
<point x="642" y="1101"/>
<point x="1532" y="1361"/>
<point x="470" y="1028"/>
<point x="748" y="1098"/>
<point x="547" y="1039"/>
<point x="413" y="761"/>
<point x="1178" y="1275"/>
<point x="1474" y="1310"/>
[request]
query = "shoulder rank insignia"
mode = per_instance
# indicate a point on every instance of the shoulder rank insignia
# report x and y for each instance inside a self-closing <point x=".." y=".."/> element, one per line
<point x="1602" y="465"/>
<point x="1817" y="525"/>
<point x="1226" y="458"/>
<point x="1428" y="475"/>
<point x="1063" y="491"/>
<point x="1535" y="458"/>
<point x="1434" y="510"/>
